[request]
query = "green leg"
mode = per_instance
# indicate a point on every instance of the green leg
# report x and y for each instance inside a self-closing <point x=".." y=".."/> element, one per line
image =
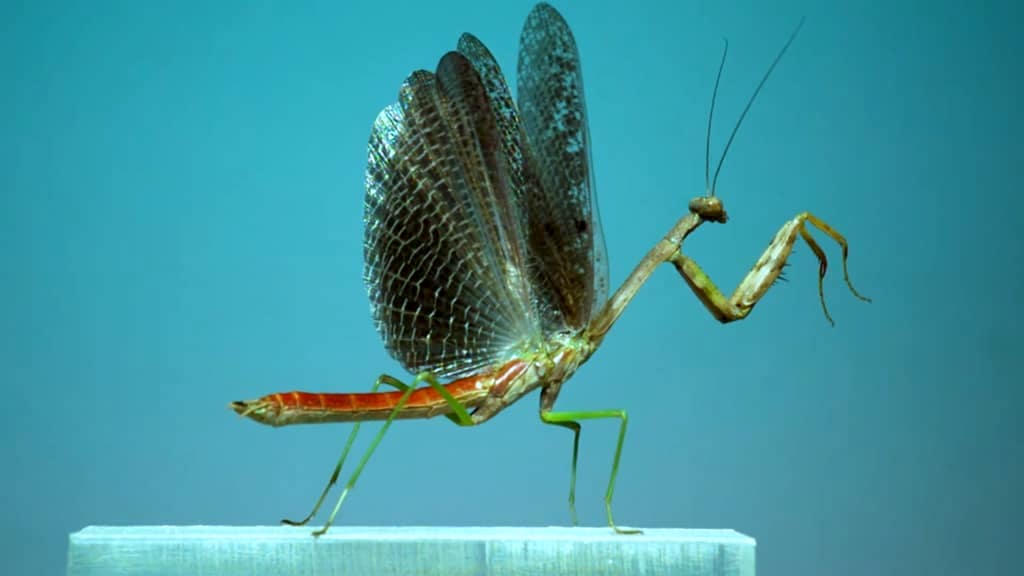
<point x="570" y="420"/>
<point x="384" y="379"/>
<point x="575" y="427"/>
<point x="765" y="271"/>
<point x="461" y="417"/>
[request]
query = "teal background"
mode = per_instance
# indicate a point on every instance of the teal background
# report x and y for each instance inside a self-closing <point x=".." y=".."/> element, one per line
<point x="181" y="227"/>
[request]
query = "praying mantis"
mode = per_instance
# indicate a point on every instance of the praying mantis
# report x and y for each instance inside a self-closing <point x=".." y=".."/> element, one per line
<point x="484" y="255"/>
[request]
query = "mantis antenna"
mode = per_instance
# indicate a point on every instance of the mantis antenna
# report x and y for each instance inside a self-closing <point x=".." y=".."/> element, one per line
<point x="707" y="152"/>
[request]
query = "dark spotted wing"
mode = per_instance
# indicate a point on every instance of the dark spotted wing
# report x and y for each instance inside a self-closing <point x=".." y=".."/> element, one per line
<point x="565" y="227"/>
<point x="525" y="183"/>
<point x="445" y="250"/>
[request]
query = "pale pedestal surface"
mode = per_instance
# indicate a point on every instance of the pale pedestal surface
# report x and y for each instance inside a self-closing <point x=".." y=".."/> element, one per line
<point x="407" y="551"/>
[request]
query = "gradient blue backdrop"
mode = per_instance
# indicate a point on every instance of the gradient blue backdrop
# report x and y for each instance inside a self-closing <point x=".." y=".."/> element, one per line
<point x="181" y="226"/>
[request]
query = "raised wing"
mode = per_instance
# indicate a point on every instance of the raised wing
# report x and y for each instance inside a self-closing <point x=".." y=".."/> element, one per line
<point x="525" y="182"/>
<point x="482" y="230"/>
<point x="565" y="227"/>
<point x="445" y="252"/>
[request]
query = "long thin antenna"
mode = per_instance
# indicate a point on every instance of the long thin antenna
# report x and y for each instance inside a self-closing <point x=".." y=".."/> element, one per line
<point x="711" y="114"/>
<point x="792" y="37"/>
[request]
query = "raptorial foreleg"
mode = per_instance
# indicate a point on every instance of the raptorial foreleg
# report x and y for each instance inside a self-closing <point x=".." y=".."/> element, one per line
<point x="765" y="272"/>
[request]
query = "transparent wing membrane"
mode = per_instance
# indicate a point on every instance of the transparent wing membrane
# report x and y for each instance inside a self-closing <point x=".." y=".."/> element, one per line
<point x="445" y="286"/>
<point x="482" y="232"/>
<point x="565" y="227"/>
